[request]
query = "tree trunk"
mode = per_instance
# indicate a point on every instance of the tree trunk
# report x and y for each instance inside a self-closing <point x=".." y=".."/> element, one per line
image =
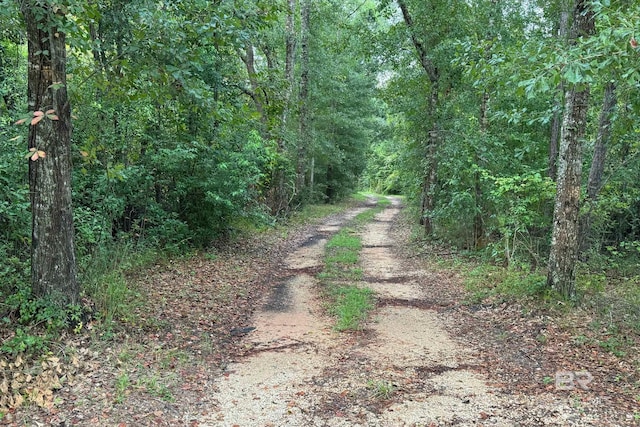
<point x="556" y="120"/>
<point x="478" y="222"/>
<point x="289" y="67"/>
<point x="430" y="175"/>
<point x="602" y="141"/>
<point x="556" y="128"/>
<point x="594" y="183"/>
<point x="249" y="61"/>
<point x="53" y="263"/>
<point x="564" y="240"/>
<point x="303" y="100"/>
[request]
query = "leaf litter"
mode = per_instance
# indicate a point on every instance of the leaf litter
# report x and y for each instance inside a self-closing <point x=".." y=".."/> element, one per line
<point x="158" y="365"/>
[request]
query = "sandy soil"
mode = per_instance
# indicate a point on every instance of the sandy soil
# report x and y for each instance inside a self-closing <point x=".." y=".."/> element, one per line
<point x="404" y="369"/>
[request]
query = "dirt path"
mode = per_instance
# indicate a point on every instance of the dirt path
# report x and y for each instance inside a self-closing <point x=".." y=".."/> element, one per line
<point x="404" y="369"/>
<point x="240" y="339"/>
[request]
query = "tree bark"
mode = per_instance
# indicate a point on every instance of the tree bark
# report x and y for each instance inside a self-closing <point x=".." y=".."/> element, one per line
<point x="556" y="120"/>
<point x="430" y="175"/>
<point x="303" y="99"/>
<point x="596" y="172"/>
<point x="563" y="256"/>
<point x="478" y="222"/>
<point x="556" y="128"/>
<point x="249" y="61"/>
<point x="53" y="262"/>
<point x="594" y="184"/>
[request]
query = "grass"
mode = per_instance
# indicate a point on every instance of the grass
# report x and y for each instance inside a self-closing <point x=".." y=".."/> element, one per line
<point x="153" y="385"/>
<point x="122" y="385"/>
<point x="345" y="239"/>
<point x="314" y="212"/>
<point x="342" y="255"/>
<point x="490" y="282"/>
<point x="381" y="389"/>
<point x="349" y="303"/>
<point x="104" y="279"/>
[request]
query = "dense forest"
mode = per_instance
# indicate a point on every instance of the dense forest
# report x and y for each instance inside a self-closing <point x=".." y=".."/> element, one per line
<point x="133" y="125"/>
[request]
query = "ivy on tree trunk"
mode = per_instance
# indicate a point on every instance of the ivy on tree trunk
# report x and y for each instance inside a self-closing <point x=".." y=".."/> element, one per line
<point x="53" y="263"/>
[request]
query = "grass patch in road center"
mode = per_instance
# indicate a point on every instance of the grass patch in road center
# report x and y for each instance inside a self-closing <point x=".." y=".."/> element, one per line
<point x="345" y="239"/>
<point x="350" y="305"/>
<point x="343" y="250"/>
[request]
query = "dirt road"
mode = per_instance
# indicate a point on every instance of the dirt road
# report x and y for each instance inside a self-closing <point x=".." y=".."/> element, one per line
<point x="404" y="369"/>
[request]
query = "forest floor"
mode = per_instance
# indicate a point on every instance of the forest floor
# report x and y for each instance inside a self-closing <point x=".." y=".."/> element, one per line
<point x="241" y="337"/>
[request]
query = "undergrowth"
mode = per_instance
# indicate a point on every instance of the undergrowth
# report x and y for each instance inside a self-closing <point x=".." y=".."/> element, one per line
<point x="609" y="299"/>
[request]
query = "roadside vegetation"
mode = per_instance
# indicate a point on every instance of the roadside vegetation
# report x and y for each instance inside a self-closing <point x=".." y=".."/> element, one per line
<point x="139" y="299"/>
<point x="607" y="304"/>
<point x="596" y="333"/>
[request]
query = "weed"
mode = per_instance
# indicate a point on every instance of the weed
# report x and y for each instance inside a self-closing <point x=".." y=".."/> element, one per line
<point x="615" y="345"/>
<point x="122" y="384"/>
<point x="580" y="340"/>
<point x="548" y="380"/>
<point x="125" y="356"/>
<point x="156" y="388"/>
<point x="381" y="389"/>
<point x="24" y="342"/>
<point x="174" y="356"/>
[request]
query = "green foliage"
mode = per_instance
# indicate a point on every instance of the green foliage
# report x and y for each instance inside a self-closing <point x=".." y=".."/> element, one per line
<point x="615" y="345"/>
<point x="36" y="321"/>
<point x="24" y="342"/>
<point x="342" y="126"/>
<point x="491" y="283"/>
<point x="522" y="204"/>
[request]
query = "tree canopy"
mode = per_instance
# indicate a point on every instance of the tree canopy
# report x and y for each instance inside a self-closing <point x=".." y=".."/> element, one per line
<point x="194" y="118"/>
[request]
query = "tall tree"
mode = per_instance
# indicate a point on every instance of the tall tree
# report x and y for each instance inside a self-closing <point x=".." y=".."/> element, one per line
<point x="53" y="262"/>
<point x="596" y="172"/>
<point x="565" y="236"/>
<point x="303" y="119"/>
<point x="556" y="120"/>
<point x="430" y="175"/>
